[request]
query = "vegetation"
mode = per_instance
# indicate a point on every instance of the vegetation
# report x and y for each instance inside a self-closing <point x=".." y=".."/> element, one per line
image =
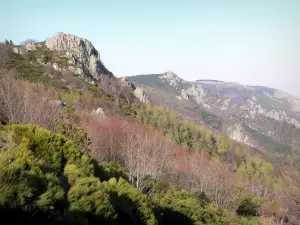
<point x="138" y="166"/>
<point x="45" y="179"/>
<point x="184" y="132"/>
<point x="29" y="71"/>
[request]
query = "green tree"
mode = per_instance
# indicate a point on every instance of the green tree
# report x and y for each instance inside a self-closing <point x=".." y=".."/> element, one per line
<point x="68" y="124"/>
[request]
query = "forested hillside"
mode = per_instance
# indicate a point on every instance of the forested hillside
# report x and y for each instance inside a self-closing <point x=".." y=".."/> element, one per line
<point x="78" y="150"/>
<point x="261" y="117"/>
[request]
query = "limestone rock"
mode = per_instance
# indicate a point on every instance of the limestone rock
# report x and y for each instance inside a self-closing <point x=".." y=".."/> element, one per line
<point x="172" y="79"/>
<point x="30" y="47"/>
<point x="85" y="53"/>
<point x="59" y="103"/>
<point x="184" y="94"/>
<point x="139" y="93"/>
<point x="98" y="113"/>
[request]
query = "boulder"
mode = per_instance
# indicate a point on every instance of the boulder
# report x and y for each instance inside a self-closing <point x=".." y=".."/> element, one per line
<point x="98" y="113"/>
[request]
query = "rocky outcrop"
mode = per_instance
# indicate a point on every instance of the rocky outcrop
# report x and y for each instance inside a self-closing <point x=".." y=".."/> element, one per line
<point x="197" y="92"/>
<point x="98" y="114"/>
<point x="236" y="132"/>
<point x="171" y="78"/>
<point x="82" y="55"/>
<point x="184" y="94"/>
<point x="140" y="94"/>
<point x="273" y="113"/>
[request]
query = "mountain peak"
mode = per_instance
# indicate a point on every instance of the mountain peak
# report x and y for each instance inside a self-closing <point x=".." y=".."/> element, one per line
<point x="67" y="42"/>
<point x="81" y="49"/>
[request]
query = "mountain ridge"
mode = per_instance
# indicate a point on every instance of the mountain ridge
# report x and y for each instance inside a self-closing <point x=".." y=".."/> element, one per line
<point x="242" y="108"/>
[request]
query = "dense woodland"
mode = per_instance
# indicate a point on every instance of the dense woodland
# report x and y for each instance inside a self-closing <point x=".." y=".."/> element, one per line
<point x="140" y="165"/>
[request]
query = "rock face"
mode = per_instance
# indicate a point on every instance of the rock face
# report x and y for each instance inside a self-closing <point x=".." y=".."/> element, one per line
<point x="81" y="53"/>
<point x="262" y="117"/>
<point x="68" y="53"/>
<point x="99" y="114"/>
<point x="139" y="93"/>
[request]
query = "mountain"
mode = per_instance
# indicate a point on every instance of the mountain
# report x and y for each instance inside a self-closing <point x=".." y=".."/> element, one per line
<point x="80" y="146"/>
<point x="66" y="53"/>
<point x="262" y="117"/>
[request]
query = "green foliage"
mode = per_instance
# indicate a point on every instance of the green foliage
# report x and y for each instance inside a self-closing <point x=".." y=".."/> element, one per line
<point x="69" y="96"/>
<point x="68" y="124"/>
<point x="257" y="169"/>
<point x="96" y="92"/>
<point x="88" y="197"/>
<point x="108" y="170"/>
<point x="180" y="207"/>
<point x="29" y="71"/>
<point x="212" y="120"/>
<point x="42" y="172"/>
<point x="3" y="120"/>
<point x="130" y="204"/>
<point x="183" y="132"/>
<point x="247" y="208"/>
<point x="45" y="179"/>
<point x="268" y="142"/>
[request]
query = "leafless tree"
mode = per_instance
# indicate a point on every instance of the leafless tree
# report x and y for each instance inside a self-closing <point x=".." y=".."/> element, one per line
<point x="147" y="154"/>
<point x="22" y="102"/>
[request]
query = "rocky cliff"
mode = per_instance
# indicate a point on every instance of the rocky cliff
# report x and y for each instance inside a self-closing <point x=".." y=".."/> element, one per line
<point x="68" y="53"/>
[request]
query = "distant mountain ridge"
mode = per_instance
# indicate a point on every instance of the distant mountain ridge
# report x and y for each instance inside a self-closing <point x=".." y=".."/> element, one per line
<point x="262" y="117"/>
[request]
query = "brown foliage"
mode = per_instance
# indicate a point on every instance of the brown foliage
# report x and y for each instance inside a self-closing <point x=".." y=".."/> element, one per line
<point x="23" y="102"/>
<point x="141" y="151"/>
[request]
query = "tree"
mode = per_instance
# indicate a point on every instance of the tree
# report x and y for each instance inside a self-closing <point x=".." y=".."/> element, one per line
<point x="247" y="208"/>
<point x="88" y="198"/>
<point x="68" y="124"/>
<point x="4" y="53"/>
<point x="22" y="102"/>
<point x="146" y="154"/>
<point x="131" y="205"/>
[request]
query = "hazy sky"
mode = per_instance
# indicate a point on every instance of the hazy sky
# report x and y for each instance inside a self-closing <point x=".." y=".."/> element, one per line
<point x="254" y="42"/>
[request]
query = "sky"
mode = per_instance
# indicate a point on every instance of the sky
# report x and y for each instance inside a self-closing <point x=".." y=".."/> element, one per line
<point x="253" y="42"/>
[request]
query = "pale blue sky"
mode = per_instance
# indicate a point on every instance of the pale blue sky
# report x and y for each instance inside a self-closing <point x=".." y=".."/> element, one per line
<point x="254" y="42"/>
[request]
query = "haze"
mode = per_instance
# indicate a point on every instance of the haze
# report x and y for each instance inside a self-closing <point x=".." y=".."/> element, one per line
<point x="250" y="42"/>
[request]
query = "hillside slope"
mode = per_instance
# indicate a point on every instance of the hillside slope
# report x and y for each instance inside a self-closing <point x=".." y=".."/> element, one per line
<point x="265" y="118"/>
<point x="173" y="171"/>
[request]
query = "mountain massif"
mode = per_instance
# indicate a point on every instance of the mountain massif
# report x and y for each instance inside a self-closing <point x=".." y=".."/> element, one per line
<point x="81" y="146"/>
<point x="262" y="117"/>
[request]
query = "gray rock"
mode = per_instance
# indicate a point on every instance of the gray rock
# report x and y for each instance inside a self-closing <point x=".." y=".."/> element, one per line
<point x="59" y="103"/>
<point x="98" y="113"/>
<point x="30" y="47"/>
<point x="86" y="54"/>
<point x="184" y="94"/>
<point x="139" y="93"/>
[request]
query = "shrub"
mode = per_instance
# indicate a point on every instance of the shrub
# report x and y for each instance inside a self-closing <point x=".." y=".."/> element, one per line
<point x="130" y="204"/>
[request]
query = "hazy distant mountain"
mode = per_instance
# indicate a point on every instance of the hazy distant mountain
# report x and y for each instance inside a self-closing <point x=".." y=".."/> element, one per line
<point x="261" y="117"/>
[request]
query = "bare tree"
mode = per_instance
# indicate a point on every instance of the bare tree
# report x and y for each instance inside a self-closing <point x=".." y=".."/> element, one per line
<point x="107" y="137"/>
<point x="144" y="153"/>
<point x="22" y="102"/>
<point x="147" y="154"/>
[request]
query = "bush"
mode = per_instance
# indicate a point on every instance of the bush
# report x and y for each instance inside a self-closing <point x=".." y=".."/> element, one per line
<point x="247" y="208"/>
<point x="108" y="170"/>
<point x="88" y="197"/>
<point x="130" y="204"/>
